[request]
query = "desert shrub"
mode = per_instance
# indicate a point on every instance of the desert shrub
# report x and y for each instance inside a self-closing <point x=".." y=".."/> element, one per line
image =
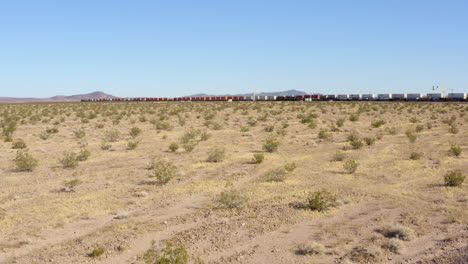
<point x="70" y="185"/>
<point x="290" y="167"/>
<point x="354" y="136"/>
<point x="173" y="147"/>
<point x="244" y="129"/>
<point x="163" y="171"/>
<point x="414" y="120"/>
<point x="83" y="155"/>
<point x="162" y="125"/>
<point x="216" y="154"/>
<point x="369" y="140"/>
<point x="25" y="161"/>
<point x="275" y="175"/>
<point x="353" y="118"/>
<point x="454" y="178"/>
<point x="313" y="248"/>
<point x="231" y="199"/>
<point x="400" y="232"/>
<point x="378" y="123"/>
<point x="419" y="128"/>
<point x="69" y="160"/>
<point x="453" y="129"/>
<point x="112" y="136"/>
<point x="44" y="135"/>
<point x="340" y="122"/>
<point x="350" y="166"/>
<point x="320" y="200"/>
<point x="8" y="128"/>
<point x="204" y="136"/>
<point x="79" y="133"/>
<point x="97" y="252"/>
<point x="393" y="245"/>
<point x="105" y="145"/>
<point x="369" y="254"/>
<point x="455" y="150"/>
<point x="99" y="126"/>
<point x="252" y="122"/>
<point x="429" y="125"/>
<point x="8" y="139"/>
<point x="258" y="158"/>
<point x="411" y="136"/>
<point x="339" y="156"/>
<point x="324" y="134"/>
<point x="171" y="254"/>
<point x="19" y="144"/>
<point x="415" y="155"/>
<point x="269" y="128"/>
<point x="190" y="146"/>
<point x="271" y="145"/>
<point x="132" y="144"/>
<point x="135" y="131"/>
<point x="52" y="130"/>
<point x="356" y="144"/>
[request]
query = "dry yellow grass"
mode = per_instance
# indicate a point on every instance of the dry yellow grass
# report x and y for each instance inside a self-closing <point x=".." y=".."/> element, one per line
<point x="116" y="205"/>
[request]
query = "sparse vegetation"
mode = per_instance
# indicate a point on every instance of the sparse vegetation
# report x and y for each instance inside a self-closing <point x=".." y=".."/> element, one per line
<point x="163" y="171"/>
<point x="69" y="160"/>
<point x="454" y="178"/>
<point x="271" y="145"/>
<point x="25" y="161"/>
<point x="258" y="158"/>
<point x="231" y="199"/>
<point x="456" y="150"/>
<point x="320" y="200"/>
<point x="350" y="166"/>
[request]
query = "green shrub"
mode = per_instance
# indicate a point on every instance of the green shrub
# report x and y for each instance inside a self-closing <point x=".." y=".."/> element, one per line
<point x="19" y="144"/>
<point x="353" y="118"/>
<point x="411" y="136"/>
<point x="340" y="122"/>
<point x="44" y="135"/>
<point x="52" y="130"/>
<point x="356" y="144"/>
<point x="173" y="147"/>
<point x="25" y="161"/>
<point x="258" y="158"/>
<point x="350" y="166"/>
<point x="453" y="129"/>
<point x="190" y="146"/>
<point x="231" y="199"/>
<point x="454" y="178"/>
<point x="171" y="254"/>
<point x="377" y="123"/>
<point x="216" y="154"/>
<point x="244" y="129"/>
<point x="69" y="160"/>
<point x="275" y="175"/>
<point x="415" y="155"/>
<point x="369" y="140"/>
<point x="134" y="132"/>
<point x="79" y="133"/>
<point x="324" y="134"/>
<point x="320" y="200"/>
<point x="339" y="156"/>
<point x="132" y="144"/>
<point x="163" y="171"/>
<point x="70" y="185"/>
<point x="83" y="155"/>
<point x="271" y="145"/>
<point x="290" y="167"/>
<point x="97" y="252"/>
<point x="105" y="145"/>
<point x="269" y="128"/>
<point x="419" y="128"/>
<point x="112" y="136"/>
<point x="455" y="150"/>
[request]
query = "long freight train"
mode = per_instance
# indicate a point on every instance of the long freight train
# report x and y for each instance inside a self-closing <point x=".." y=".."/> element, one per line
<point x="460" y="97"/>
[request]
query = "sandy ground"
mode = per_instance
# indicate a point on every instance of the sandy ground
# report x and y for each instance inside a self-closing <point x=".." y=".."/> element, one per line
<point x="119" y="208"/>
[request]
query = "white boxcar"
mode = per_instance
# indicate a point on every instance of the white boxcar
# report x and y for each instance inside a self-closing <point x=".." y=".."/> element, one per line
<point x="367" y="97"/>
<point x="398" y="96"/>
<point x="457" y="96"/>
<point x="355" y="96"/>
<point x="342" y="97"/>
<point x="271" y="98"/>
<point x="416" y="96"/>
<point x="384" y="96"/>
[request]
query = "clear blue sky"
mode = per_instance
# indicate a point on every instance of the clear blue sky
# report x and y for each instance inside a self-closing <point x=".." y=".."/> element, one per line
<point x="175" y="48"/>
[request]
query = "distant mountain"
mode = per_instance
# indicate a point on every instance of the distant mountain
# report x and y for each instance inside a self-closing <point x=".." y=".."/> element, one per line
<point x="58" y="98"/>
<point x="288" y="92"/>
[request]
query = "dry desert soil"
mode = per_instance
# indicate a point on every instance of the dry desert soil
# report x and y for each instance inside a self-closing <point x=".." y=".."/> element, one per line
<point x="184" y="182"/>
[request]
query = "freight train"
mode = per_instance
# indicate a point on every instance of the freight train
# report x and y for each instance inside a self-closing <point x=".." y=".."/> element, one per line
<point x="438" y="97"/>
